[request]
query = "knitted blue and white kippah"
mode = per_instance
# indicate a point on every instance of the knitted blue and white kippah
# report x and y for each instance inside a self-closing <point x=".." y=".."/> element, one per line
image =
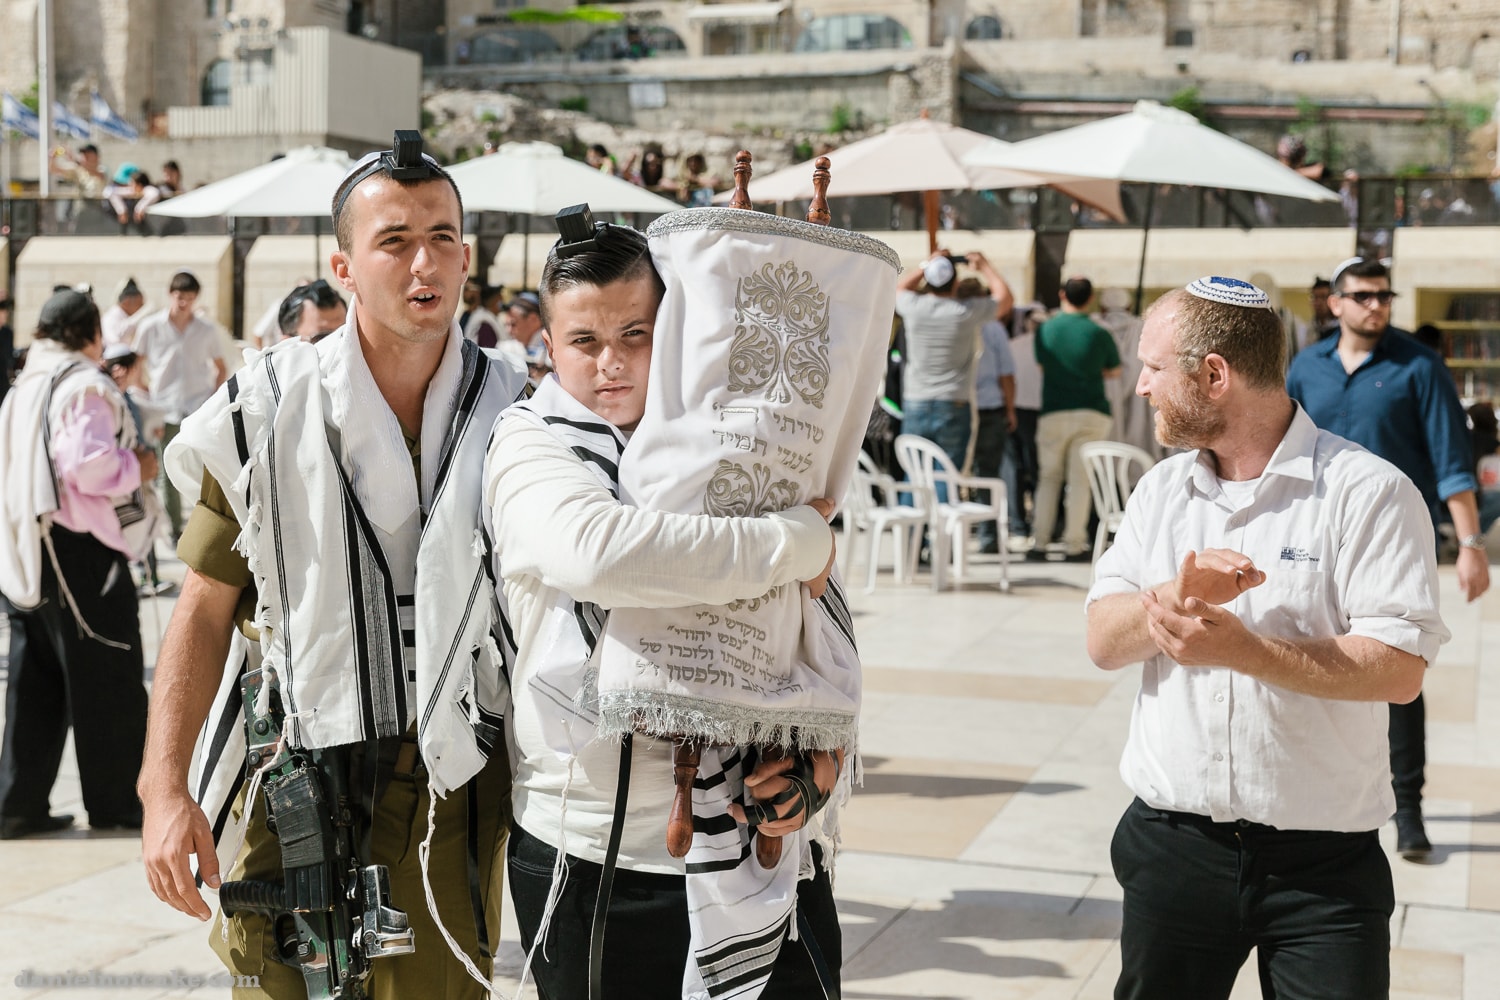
<point x="1230" y="291"/>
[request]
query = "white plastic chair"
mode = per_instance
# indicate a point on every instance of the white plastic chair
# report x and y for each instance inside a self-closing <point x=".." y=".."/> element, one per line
<point x="1111" y="479"/>
<point x="862" y="512"/>
<point x="926" y="466"/>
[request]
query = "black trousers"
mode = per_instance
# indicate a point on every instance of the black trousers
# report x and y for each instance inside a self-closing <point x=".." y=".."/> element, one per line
<point x="1199" y="895"/>
<point x="989" y="454"/>
<point x="646" y="939"/>
<point x="59" y="677"/>
<point x="1408" y="732"/>
<point x="1019" y="470"/>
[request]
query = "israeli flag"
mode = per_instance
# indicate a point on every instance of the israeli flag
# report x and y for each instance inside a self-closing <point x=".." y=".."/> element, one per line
<point x="65" y="122"/>
<point x="111" y="124"/>
<point x="19" y="118"/>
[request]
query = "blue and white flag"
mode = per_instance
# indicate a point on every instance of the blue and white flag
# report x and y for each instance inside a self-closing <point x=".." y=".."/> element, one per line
<point x="19" y="118"/>
<point x="111" y="124"/>
<point x="65" y="122"/>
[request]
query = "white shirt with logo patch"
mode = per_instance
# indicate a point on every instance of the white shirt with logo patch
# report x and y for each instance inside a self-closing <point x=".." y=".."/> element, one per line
<point x="1347" y="547"/>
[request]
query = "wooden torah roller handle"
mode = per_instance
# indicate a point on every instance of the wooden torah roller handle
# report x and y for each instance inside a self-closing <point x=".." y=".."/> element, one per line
<point x="685" y="758"/>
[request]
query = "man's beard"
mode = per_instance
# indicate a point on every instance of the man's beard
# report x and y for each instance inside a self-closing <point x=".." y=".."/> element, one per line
<point x="1186" y="419"/>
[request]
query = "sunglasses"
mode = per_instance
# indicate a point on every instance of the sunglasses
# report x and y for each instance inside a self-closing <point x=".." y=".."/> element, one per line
<point x="1383" y="297"/>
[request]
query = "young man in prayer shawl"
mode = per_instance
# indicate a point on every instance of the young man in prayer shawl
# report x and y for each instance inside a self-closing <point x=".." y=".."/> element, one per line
<point x="72" y="513"/>
<point x="568" y="551"/>
<point x="337" y="530"/>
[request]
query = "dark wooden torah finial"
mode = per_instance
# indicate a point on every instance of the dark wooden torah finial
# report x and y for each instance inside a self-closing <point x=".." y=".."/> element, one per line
<point x="741" y="197"/>
<point x="817" y="211"/>
<point x="685" y="758"/>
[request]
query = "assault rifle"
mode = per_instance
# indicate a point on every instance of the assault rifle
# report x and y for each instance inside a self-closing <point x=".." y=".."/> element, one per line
<point x="333" y="916"/>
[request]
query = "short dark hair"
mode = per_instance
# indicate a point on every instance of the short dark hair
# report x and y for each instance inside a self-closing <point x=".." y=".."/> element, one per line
<point x="1078" y="291"/>
<point x="343" y="227"/>
<point x="620" y="254"/>
<point x="1363" y="267"/>
<point x="71" y="319"/>
<point x="320" y="293"/>
<point x="171" y="165"/>
<point x="970" y="288"/>
<point x="184" y="281"/>
<point x="1321" y="283"/>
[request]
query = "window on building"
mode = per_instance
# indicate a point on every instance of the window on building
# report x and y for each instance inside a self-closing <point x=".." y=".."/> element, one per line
<point x="742" y="38"/>
<point x="215" y="93"/>
<point x="512" y="45"/>
<point x="983" y="27"/>
<point x="630" y="42"/>
<point x="842" y="32"/>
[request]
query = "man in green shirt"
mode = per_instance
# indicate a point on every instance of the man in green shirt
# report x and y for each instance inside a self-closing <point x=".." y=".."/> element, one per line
<point x="1076" y="356"/>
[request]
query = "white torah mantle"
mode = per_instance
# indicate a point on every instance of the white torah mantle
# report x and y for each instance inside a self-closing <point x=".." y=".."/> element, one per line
<point x="768" y="354"/>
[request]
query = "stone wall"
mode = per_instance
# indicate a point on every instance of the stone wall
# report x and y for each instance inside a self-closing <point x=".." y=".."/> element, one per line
<point x="738" y="93"/>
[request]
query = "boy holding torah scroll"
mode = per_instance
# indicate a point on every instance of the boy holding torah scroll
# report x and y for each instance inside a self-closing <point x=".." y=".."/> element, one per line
<point x="572" y="560"/>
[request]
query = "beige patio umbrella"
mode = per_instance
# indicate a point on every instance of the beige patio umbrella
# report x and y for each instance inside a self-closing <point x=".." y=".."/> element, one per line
<point x="927" y="156"/>
<point x="1153" y="145"/>
<point x="535" y="178"/>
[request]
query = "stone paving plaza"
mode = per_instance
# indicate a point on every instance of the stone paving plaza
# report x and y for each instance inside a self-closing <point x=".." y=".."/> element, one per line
<point x="976" y="861"/>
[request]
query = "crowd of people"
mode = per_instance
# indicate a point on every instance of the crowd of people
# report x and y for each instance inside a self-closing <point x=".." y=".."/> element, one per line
<point x="109" y="202"/>
<point x="427" y="580"/>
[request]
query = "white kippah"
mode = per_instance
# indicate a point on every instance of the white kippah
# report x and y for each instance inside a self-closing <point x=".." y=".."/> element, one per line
<point x="1230" y="291"/>
<point x="938" y="271"/>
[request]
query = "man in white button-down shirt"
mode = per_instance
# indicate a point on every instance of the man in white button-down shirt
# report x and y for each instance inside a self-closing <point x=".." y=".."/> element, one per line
<point x="1279" y="584"/>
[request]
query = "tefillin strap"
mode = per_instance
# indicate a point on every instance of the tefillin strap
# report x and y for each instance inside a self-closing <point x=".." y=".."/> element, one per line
<point x="579" y="232"/>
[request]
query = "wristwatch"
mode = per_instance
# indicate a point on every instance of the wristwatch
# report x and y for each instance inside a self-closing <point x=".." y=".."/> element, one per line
<point x="1472" y="542"/>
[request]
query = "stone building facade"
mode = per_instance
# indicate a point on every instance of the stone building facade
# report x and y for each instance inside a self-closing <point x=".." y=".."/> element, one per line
<point x="989" y="64"/>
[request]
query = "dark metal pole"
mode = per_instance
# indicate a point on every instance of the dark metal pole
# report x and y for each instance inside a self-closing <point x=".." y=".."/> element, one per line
<point x="1140" y="274"/>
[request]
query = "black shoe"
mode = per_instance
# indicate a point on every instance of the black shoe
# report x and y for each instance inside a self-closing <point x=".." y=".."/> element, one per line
<point x="1036" y="555"/>
<point x="17" y="827"/>
<point x="1079" y="557"/>
<point x="989" y="547"/>
<point x="1411" y="837"/>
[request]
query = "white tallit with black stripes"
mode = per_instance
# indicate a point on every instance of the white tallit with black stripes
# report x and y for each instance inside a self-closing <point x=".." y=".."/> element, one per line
<point x="565" y="678"/>
<point x="53" y="383"/>
<point x="374" y="602"/>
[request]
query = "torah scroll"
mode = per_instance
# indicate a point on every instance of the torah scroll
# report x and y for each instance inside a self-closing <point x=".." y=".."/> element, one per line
<point x="768" y="354"/>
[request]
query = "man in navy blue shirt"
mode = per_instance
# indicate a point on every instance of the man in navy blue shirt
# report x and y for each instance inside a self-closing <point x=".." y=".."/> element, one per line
<point x="1377" y="386"/>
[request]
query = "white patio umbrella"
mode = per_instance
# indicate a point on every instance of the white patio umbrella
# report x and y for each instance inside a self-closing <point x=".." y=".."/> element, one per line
<point x="301" y="183"/>
<point x="535" y="178"/>
<point x="1153" y="145"/>
<point x="298" y="185"/>
<point x="928" y="156"/>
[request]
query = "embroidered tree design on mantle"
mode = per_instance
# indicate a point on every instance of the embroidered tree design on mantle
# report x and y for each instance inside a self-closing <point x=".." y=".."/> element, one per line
<point x="735" y="491"/>
<point x="781" y="335"/>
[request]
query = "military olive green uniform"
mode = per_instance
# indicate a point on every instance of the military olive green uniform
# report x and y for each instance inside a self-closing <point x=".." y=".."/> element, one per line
<point x="247" y="946"/>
